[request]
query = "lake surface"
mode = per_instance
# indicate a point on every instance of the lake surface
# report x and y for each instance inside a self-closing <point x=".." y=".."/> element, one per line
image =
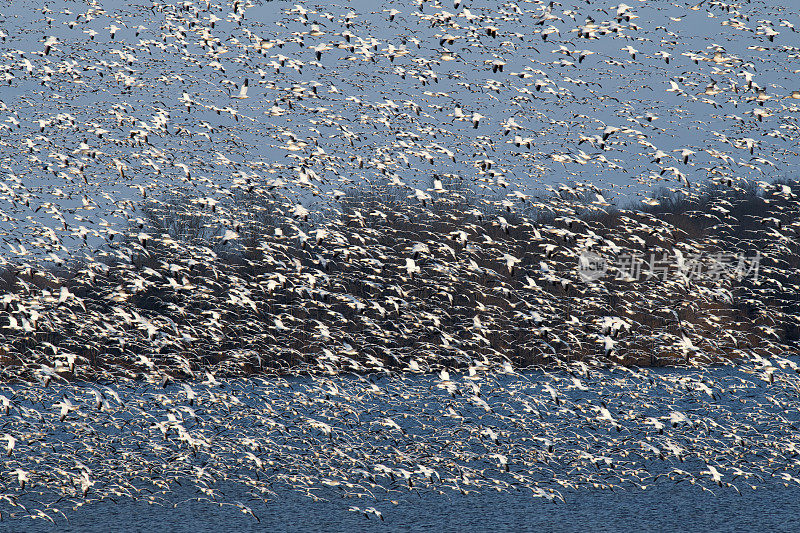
<point x="457" y="452"/>
<point x="668" y="507"/>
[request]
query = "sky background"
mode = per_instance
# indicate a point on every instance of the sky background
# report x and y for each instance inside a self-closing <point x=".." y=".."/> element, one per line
<point x="382" y="111"/>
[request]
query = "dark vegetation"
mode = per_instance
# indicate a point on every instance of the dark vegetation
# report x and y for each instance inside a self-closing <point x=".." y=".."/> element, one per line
<point x="251" y="283"/>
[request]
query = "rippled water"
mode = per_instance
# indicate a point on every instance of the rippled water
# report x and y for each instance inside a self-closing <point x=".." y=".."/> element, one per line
<point x="668" y="507"/>
<point x="744" y="400"/>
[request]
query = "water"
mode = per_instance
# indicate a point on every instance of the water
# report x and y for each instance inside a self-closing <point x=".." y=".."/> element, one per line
<point x="679" y="494"/>
<point x="668" y="507"/>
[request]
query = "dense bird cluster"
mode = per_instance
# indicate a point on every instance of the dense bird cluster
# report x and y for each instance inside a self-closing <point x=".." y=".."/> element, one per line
<point x="196" y="192"/>
<point x="380" y="440"/>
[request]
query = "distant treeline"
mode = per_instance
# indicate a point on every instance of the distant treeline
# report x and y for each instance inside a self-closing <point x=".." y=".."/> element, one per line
<point x="387" y="277"/>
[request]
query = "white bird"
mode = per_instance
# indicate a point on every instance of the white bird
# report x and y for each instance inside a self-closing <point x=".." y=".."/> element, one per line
<point x="511" y="262"/>
<point x="685" y="154"/>
<point x="412" y="267"/>
<point x="242" y="94"/>
<point x="49" y="43"/>
<point x="11" y="442"/>
<point x="229" y="235"/>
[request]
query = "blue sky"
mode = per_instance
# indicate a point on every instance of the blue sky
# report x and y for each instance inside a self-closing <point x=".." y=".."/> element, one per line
<point x="390" y="103"/>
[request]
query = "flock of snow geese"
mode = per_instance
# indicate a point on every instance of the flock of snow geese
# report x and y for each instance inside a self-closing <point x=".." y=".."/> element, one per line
<point x="250" y="246"/>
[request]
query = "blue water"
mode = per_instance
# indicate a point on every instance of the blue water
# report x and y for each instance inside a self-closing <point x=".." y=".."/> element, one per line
<point x="743" y="405"/>
<point x="668" y="507"/>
